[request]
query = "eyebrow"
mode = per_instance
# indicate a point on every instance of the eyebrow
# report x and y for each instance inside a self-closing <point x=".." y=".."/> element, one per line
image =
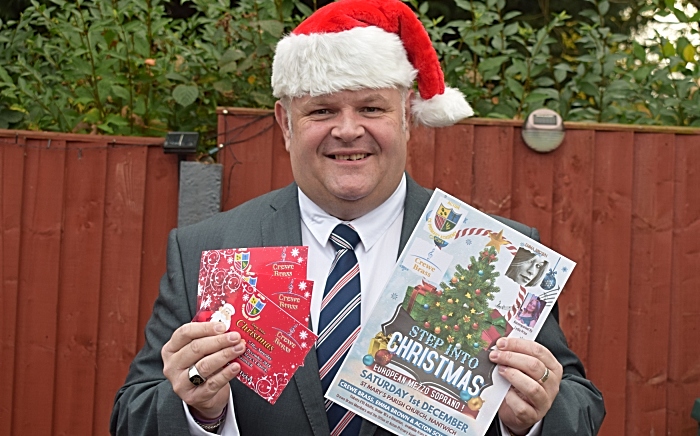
<point x="325" y="100"/>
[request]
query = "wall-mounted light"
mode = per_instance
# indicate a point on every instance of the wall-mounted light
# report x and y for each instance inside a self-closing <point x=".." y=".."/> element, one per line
<point x="543" y="130"/>
<point x="181" y="142"/>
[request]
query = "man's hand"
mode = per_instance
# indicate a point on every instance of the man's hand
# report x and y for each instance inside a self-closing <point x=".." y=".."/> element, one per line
<point x="205" y="345"/>
<point x="523" y="363"/>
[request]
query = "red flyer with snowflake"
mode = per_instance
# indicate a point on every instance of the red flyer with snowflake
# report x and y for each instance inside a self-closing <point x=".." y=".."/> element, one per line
<point x="222" y="271"/>
<point x="290" y="294"/>
<point x="276" y="342"/>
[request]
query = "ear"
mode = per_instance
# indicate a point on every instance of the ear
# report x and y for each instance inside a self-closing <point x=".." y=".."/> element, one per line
<point x="282" y="118"/>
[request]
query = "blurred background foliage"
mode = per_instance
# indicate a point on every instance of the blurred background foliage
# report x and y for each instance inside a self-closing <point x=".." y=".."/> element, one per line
<point x="146" y="67"/>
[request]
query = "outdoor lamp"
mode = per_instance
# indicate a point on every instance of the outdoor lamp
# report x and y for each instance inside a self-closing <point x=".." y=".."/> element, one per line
<point x="181" y="142"/>
<point x="543" y="130"/>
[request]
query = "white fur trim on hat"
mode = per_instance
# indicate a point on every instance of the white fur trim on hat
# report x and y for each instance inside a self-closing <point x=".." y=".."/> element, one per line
<point x="441" y="110"/>
<point x="324" y="63"/>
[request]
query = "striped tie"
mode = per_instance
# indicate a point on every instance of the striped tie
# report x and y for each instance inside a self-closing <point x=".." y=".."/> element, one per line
<point x="339" y="323"/>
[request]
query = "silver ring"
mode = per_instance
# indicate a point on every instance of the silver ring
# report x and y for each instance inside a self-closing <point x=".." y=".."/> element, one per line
<point x="195" y="377"/>
<point x="545" y="376"/>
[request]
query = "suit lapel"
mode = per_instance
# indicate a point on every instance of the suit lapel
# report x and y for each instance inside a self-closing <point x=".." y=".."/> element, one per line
<point x="284" y="228"/>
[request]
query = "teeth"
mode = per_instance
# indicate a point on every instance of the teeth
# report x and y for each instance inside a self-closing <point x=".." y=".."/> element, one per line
<point x="350" y="157"/>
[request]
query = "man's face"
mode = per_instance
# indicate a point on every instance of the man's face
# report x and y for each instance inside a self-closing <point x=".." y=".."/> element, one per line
<point x="348" y="149"/>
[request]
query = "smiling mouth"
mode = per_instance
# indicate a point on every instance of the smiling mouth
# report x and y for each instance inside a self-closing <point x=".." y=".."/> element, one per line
<point x="352" y="157"/>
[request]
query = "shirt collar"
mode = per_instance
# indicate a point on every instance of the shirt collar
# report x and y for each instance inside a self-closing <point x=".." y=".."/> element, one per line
<point x="370" y="227"/>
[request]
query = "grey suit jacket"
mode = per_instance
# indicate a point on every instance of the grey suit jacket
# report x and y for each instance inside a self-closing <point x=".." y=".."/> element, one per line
<point x="147" y="405"/>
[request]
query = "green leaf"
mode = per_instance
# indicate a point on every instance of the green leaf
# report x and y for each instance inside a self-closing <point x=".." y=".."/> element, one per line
<point x="604" y="7"/>
<point x="176" y="77"/>
<point x="121" y="92"/>
<point x="224" y="85"/>
<point x="668" y="49"/>
<point x="185" y="95"/>
<point x="492" y="63"/>
<point x="4" y="76"/>
<point x="273" y="27"/>
<point x="11" y="116"/>
<point x="423" y="8"/>
<point x="305" y="10"/>
<point x="688" y="54"/>
<point x="639" y="51"/>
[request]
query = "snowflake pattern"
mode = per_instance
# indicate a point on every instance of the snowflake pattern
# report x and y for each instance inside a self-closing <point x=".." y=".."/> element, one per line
<point x="300" y="260"/>
<point x="565" y="269"/>
<point x="295" y="252"/>
<point x="307" y="294"/>
<point x="303" y="334"/>
<point x="302" y="285"/>
<point x="304" y="345"/>
<point x="394" y="296"/>
<point x="245" y="297"/>
<point x="469" y="242"/>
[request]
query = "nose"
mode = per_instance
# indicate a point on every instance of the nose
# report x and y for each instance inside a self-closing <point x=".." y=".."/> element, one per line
<point x="531" y="268"/>
<point x="348" y="127"/>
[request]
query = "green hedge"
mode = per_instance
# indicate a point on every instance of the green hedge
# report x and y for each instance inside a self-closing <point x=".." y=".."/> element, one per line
<point x="124" y="67"/>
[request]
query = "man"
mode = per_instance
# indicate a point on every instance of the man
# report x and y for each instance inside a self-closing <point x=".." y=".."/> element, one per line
<point x="344" y="80"/>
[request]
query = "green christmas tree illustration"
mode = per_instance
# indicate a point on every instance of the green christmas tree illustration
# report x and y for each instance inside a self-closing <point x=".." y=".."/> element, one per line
<point x="458" y="312"/>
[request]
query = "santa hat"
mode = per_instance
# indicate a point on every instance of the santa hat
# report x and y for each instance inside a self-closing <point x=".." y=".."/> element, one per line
<point x="360" y="44"/>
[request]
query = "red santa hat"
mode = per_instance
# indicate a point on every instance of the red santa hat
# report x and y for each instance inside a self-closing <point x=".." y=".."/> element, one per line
<point x="360" y="44"/>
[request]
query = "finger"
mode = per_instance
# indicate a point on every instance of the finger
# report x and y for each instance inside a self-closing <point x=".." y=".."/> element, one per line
<point x="530" y="390"/>
<point x="217" y="381"/>
<point x="186" y="333"/>
<point x="213" y="363"/>
<point x="523" y="412"/>
<point x="527" y="356"/>
<point x="202" y="347"/>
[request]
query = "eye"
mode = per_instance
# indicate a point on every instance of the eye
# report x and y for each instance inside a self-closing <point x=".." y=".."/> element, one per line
<point x="320" y="112"/>
<point x="372" y="110"/>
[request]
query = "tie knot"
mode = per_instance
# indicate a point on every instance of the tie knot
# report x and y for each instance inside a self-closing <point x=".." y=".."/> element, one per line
<point x="344" y="237"/>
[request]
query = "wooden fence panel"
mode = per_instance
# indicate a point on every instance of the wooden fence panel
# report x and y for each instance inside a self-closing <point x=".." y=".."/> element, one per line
<point x="78" y="298"/>
<point x="39" y="277"/>
<point x="247" y="156"/>
<point x="72" y="222"/>
<point x="650" y="280"/>
<point x="532" y="187"/>
<point x="492" y="176"/>
<point x="11" y="180"/>
<point x="572" y="231"/>
<point x="610" y="256"/>
<point x="420" y="162"/>
<point x="684" y="353"/>
<point x="454" y="158"/>
<point x="121" y="260"/>
<point x="160" y="216"/>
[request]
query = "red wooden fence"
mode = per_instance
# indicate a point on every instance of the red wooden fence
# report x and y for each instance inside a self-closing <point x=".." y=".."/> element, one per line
<point x="83" y="225"/>
<point x="621" y="201"/>
<point x="84" y="221"/>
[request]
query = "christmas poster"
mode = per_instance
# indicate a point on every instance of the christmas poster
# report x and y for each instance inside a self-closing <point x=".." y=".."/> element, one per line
<point x="420" y="364"/>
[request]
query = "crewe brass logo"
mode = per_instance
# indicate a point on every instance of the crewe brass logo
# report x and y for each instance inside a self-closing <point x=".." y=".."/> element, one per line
<point x="442" y="225"/>
<point x="254" y="307"/>
<point x="241" y="260"/>
<point x="446" y="219"/>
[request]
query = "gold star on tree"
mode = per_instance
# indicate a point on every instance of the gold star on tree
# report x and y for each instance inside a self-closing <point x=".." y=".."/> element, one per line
<point x="496" y="241"/>
<point x="469" y="336"/>
<point x="468" y="295"/>
<point x="473" y="311"/>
